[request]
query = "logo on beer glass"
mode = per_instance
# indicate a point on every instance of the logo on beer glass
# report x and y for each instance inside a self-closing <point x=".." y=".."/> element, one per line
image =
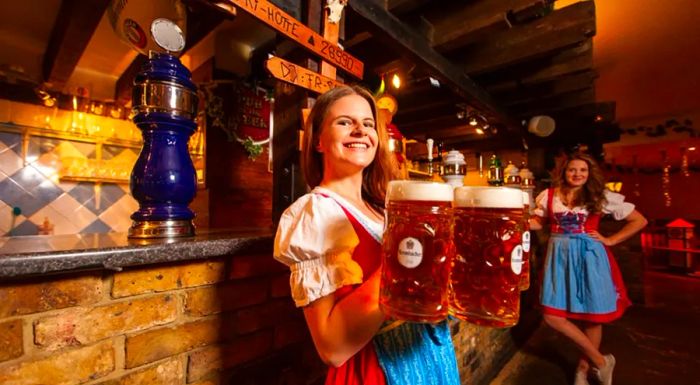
<point x="516" y="259"/>
<point x="410" y="252"/>
<point x="526" y="242"/>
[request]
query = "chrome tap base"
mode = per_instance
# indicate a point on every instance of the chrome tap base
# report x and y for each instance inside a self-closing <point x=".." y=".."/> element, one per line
<point x="161" y="229"/>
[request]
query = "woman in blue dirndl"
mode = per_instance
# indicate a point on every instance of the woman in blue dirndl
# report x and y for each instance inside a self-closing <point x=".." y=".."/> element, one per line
<point x="581" y="280"/>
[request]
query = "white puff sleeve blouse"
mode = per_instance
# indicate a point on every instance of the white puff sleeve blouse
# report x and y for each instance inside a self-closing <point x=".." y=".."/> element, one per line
<point x="615" y="205"/>
<point x="316" y="240"/>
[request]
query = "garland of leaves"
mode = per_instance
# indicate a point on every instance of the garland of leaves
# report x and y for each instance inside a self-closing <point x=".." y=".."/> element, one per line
<point x="648" y="170"/>
<point x="662" y="129"/>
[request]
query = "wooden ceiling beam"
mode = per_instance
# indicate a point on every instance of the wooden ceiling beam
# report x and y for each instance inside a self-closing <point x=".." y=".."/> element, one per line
<point x="554" y="104"/>
<point x="560" y="29"/>
<point x="75" y="24"/>
<point x="589" y="112"/>
<point x="429" y="125"/>
<point x="376" y="64"/>
<point x="567" y="62"/>
<point x="429" y="110"/>
<point x="360" y="37"/>
<point x="528" y="93"/>
<point x="417" y="49"/>
<point x="404" y="6"/>
<point x="422" y="108"/>
<point x="463" y="132"/>
<point x="499" y="142"/>
<point x="473" y="21"/>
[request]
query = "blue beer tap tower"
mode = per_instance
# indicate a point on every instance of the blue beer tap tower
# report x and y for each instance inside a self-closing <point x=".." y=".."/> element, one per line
<point x="163" y="180"/>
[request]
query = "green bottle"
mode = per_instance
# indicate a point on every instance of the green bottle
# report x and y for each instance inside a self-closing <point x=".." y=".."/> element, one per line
<point x="495" y="175"/>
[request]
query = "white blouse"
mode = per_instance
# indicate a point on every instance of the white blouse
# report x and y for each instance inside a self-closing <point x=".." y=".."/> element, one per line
<point x="615" y="205"/>
<point x="316" y="240"/>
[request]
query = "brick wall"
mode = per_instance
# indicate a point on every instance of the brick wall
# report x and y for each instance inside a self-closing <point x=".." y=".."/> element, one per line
<point x="222" y="320"/>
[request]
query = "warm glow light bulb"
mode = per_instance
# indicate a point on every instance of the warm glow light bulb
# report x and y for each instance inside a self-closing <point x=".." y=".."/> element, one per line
<point x="480" y="131"/>
<point x="396" y="81"/>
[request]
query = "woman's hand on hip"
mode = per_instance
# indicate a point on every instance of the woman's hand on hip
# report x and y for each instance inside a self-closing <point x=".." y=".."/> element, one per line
<point x="600" y="238"/>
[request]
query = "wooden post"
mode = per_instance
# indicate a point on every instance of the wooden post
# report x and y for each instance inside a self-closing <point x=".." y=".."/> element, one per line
<point x="290" y="101"/>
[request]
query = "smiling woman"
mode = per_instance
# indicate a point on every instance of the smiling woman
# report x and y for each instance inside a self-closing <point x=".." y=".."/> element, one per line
<point x="331" y="241"/>
<point x="581" y="279"/>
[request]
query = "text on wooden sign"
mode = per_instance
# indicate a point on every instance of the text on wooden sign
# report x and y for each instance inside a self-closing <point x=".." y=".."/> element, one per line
<point x="300" y="76"/>
<point x="293" y="28"/>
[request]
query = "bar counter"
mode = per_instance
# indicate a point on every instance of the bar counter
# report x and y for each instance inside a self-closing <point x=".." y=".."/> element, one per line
<point x="38" y="255"/>
<point x="215" y="308"/>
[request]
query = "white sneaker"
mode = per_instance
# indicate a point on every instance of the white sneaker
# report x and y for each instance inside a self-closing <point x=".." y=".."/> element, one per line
<point x="581" y="377"/>
<point x="605" y="373"/>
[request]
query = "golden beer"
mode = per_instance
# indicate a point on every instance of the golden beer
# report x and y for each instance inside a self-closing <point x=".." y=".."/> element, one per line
<point x="525" y="273"/>
<point x="485" y="273"/>
<point x="417" y="251"/>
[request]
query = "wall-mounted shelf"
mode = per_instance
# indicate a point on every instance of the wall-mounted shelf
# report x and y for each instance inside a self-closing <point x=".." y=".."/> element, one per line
<point x="88" y="168"/>
<point x="69" y="178"/>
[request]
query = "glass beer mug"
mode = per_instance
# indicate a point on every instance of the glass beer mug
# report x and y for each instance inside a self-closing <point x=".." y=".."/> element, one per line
<point x="417" y="251"/>
<point x="525" y="273"/>
<point x="486" y="267"/>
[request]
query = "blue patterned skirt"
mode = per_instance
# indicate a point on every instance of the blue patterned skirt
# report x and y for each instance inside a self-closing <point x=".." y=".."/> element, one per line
<point x="577" y="276"/>
<point x="418" y="354"/>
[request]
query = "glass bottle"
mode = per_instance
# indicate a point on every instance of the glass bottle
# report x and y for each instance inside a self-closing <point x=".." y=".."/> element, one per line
<point x="495" y="174"/>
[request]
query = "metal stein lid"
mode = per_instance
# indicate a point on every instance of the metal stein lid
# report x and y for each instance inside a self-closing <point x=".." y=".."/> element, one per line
<point x="454" y="157"/>
<point x="167" y="35"/>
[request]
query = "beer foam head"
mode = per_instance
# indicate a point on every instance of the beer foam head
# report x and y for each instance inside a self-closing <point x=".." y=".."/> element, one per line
<point x="413" y="190"/>
<point x="489" y="197"/>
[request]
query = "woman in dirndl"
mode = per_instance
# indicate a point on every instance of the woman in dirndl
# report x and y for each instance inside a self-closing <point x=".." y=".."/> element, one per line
<point x="581" y="280"/>
<point x="331" y="240"/>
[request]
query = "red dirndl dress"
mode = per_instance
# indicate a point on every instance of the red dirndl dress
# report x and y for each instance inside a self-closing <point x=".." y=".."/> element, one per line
<point x="362" y="368"/>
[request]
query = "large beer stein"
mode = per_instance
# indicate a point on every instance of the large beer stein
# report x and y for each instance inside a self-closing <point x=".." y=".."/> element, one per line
<point x="486" y="267"/>
<point x="525" y="273"/>
<point x="417" y="251"/>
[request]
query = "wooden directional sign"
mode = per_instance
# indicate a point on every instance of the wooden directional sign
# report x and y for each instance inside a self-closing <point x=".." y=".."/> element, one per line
<point x="283" y="22"/>
<point x="300" y="76"/>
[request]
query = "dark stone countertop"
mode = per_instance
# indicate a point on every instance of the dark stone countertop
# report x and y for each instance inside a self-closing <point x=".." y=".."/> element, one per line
<point x="35" y="255"/>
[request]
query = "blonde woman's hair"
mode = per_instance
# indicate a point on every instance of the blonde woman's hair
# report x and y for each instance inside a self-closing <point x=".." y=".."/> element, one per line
<point x="375" y="176"/>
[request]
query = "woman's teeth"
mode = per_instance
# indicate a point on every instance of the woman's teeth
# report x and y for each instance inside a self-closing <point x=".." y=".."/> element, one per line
<point x="357" y="145"/>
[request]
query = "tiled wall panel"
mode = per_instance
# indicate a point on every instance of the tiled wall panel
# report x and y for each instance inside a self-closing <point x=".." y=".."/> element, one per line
<point x="31" y="188"/>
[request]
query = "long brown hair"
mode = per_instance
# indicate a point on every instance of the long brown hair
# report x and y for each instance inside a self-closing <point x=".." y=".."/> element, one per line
<point x="592" y="194"/>
<point x="375" y="176"/>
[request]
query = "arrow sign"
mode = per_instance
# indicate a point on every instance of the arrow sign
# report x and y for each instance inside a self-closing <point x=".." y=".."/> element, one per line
<point x="300" y="76"/>
<point x="294" y="29"/>
<point x="288" y="72"/>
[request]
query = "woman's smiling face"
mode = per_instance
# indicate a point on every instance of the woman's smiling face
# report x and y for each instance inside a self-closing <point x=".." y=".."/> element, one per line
<point x="348" y="138"/>
<point x="576" y="173"/>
